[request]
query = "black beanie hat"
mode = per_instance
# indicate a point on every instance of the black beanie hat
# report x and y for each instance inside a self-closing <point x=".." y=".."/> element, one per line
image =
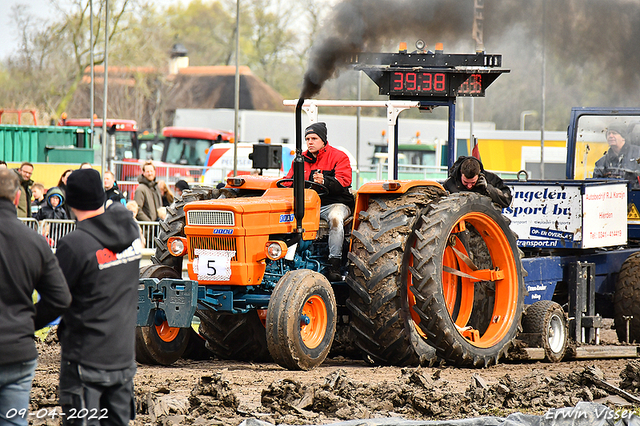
<point x="182" y="185"/>
<point x="618" y="128"/>
<point x="319" y="129"/>
<point x="85" y="190"/>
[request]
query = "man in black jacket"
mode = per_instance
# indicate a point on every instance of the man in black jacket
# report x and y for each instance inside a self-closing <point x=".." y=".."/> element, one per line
<point x="26" y="264"/>
<point x="100" y="261"/>
<point x="111" y="189"/>
<point x="468" y="174"/>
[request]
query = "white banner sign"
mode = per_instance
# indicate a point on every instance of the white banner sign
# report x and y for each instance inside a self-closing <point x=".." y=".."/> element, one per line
<point x="546" y="215"/>
<point x="605" y="215"/>
<point x="213" y="265"/>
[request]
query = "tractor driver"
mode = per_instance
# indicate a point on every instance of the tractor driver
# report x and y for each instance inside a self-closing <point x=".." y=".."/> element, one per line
<point x="330" y="167"/>
<point x="468" y="174"/>
<point x="621" y="160"/>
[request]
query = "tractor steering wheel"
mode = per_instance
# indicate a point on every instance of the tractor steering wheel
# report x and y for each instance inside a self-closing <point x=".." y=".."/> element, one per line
<point x="308" y="184"/>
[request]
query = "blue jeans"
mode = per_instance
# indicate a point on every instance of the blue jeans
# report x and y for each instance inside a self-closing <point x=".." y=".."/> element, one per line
<point x="335" y="214"/>
<point x="15" y="388"/>
<point x="91" y="396"/>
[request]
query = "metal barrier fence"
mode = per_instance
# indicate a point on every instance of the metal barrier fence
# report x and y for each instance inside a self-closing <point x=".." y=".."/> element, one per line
<point x="150" y="231"/>
<point x="30" y="222"/>
<point x="54" y="230"/>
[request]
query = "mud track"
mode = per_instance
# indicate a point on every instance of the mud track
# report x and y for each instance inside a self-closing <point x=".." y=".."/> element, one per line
<point x="226" y="393"/>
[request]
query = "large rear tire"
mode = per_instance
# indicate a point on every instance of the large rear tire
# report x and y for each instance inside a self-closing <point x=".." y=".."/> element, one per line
<point x="238" y="337"/>
<point x="301" y="320"/>
<point x="160" y="344"/>
<point x="381" y="321"/>
<point x="626" y="299"/>
<point x="441" y="279"/>
<point x="549" y="320"/>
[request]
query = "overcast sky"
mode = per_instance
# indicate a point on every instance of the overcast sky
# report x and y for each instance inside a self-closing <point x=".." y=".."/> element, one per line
<point x="40" y="8"/>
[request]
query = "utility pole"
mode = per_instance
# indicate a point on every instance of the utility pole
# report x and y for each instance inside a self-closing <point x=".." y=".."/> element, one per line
<point x="105" y="136"/>
<point x="477" y="33"/>
<point x="236" y="134"/>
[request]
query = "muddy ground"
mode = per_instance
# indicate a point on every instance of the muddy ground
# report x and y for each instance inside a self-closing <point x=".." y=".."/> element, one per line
<point x="214" y="392"/>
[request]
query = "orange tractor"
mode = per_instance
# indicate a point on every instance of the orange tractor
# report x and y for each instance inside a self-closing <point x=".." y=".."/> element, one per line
<point x="427" y="275"/>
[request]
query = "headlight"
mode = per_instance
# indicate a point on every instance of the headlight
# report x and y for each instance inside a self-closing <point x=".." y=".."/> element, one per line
<point x="177" y="246"/>
<point x="275" y="249"/>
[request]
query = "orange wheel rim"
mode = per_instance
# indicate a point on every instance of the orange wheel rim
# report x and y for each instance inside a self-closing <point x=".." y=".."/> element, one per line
<point x="504" y="274"/>
<point x="313" y="321"/>
<point x="166" y="333"/>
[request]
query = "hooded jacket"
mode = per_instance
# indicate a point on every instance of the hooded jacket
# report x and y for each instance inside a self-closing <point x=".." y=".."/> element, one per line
<point x="26" y="264"/>
<point x="24" y="205"/>
<point x="336" y="169"/>
<point x="148" y="198"/>
<point x="495" y="189"/>
<point x="47" y="211"/>
<point x="100" y="261"/>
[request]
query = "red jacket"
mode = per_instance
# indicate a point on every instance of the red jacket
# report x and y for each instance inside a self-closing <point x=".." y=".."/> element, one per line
<point x="336" y="169"/>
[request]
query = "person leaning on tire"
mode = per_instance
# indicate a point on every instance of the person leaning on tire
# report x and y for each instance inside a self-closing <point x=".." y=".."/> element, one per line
<point x="468" y="174"/>
<point x="100" y="261"/>
<point x="26" y="264"/>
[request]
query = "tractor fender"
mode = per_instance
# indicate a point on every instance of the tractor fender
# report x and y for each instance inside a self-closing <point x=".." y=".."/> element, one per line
<point x="383" y="187"/>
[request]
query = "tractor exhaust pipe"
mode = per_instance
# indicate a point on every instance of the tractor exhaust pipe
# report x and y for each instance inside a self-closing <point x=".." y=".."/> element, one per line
<point x="298" y="171"/>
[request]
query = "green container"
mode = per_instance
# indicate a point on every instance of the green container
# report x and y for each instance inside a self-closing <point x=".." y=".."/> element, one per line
<point x="35" y="143"/>
<point x="64" y="154"/>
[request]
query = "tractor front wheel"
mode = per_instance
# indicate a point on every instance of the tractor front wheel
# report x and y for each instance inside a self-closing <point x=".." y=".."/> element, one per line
<point x="159" y="343"/>
<point x="301" y="320"/>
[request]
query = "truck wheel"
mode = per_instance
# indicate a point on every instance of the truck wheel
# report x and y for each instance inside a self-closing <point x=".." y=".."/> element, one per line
<point x="626" y="299"/>
<point x="548" y="319"/>
<point x="443" y="281"/>
<point x="238" y="337"/>
<point x="160" y="344"/>
<point x="301" y="320"/>
<point x="173" y="226"/>
<point x="381" y="321"/>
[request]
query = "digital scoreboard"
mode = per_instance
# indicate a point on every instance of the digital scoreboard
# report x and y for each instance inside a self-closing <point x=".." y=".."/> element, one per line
<point x="435" y="76"/>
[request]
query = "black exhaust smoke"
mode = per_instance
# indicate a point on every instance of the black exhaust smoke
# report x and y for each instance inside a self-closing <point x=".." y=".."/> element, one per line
<point x="365" y="25"/>
<point x="578" y="54"/>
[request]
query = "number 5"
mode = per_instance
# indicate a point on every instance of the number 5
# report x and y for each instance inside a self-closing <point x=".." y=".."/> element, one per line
<point x="211" y="267"/>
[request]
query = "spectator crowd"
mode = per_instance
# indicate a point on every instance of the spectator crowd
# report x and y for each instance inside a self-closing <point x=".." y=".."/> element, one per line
<point x="90" y="283"/>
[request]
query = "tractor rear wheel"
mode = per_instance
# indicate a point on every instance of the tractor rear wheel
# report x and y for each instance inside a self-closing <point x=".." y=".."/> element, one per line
<point x="301" y="320"/>
<point x="238" y="337"/>
<point x="443" y="280"/>
<point x="160" y="344"/>
<point x="549" y="320"/>
<point x="626" y="299"/>
<point x="379" y="300"/>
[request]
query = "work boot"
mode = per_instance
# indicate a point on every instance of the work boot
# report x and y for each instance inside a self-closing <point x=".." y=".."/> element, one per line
<point x="333" y="270"/>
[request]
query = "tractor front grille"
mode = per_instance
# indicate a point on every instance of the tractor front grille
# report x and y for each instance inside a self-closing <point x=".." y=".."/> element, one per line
<point x="210" y="218"/>
<point x="212" y="243"/>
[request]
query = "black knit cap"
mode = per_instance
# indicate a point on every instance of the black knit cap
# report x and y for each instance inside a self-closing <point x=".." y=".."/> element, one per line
<point x="85" y="190"/>
<point x="319" y="129"/>
<point x="182" y="185"/>
<point x="618" y="128"/>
